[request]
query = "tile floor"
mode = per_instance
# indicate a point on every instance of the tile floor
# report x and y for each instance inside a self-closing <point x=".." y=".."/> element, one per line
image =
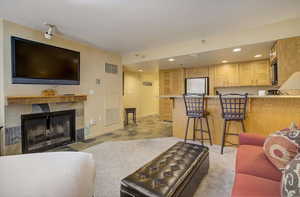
<point x="146" y="128"/>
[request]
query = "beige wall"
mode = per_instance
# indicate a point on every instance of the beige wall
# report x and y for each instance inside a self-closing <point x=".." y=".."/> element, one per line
<point x="1" y="75"/>
<point x="107" y="95"/>
<point x="144" y="98"/>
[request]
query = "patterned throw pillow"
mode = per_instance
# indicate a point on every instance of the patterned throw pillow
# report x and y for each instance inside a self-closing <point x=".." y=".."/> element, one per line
<point x="282" y="146"/>
<point x="290" y="182"/>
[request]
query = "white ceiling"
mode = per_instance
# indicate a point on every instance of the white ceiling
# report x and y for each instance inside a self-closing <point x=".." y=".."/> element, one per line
<point x="216" y="57"/>
<point x="131" y="25"/>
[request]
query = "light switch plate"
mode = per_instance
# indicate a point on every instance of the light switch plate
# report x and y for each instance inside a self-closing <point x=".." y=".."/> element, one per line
<point x="98" y="81"/>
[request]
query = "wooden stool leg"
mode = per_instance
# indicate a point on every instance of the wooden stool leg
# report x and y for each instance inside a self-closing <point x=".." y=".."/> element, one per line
<point x="224" y="136"/>
<point x="134" y="117"/>
<point x="208" y="130"/>
<point x="243" y="126"/>
<point x="187" y="129"/>
<point x="201" y="130"/>
<point x="194" y="129"/>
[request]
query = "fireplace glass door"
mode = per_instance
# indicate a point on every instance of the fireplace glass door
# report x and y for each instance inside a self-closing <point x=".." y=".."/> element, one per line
<point x="41" y="132"/>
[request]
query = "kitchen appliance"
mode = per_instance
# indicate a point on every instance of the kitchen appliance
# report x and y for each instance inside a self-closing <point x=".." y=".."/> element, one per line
<point x="261" y="93"/>
<point x="274" y="72"/>
<point x="198" y="85"/>
<point x="273" y="92"/>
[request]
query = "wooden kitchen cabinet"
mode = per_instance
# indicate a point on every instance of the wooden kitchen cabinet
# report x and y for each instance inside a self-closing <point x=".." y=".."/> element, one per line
<point x="255" y="73"/>
<point x="245" y="74"/>
<point x="177" y="82"/>
<point x="226" y="75"/>
<point x="288" y="55"/>
<point x="261" y="73"/>
<point x="171" y="82"/>
<point x="165" y="109"/>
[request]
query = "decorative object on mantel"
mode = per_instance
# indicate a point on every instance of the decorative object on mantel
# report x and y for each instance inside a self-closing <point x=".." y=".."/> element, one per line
<point x="49" y="92"/>
<point x="292" y="85"/>
<point x="44" y="99"/>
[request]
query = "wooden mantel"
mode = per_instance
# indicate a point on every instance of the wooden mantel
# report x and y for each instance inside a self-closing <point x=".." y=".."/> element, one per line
<point x="45" y="99"/>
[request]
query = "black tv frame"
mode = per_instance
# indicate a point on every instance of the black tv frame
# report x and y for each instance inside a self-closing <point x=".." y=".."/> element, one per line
<point x="21" y="80"/>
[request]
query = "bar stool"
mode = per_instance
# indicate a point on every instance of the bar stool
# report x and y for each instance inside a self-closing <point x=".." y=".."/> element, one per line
<point x="195" y="109"/>
<point x="233" y="109"/>
<point x="127" y="112"/>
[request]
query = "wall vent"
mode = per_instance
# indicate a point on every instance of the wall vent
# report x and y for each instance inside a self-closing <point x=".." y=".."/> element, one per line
<point x="147" y="83"/>
<point x="112" y="116"/>
<point x="111" y="68"/>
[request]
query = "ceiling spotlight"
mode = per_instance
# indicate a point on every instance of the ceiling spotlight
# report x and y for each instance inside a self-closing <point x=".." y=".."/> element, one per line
<point x="140" y="70"/>
<point x="237" y="50"/>
<point x="258" y="55"/>
<point x="171" y="60"/>
<point x="224" y="61"/>
<point x="49" y="33"/>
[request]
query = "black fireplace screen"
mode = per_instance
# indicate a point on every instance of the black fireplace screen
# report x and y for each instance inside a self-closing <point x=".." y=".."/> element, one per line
<point x="44" y="131"/>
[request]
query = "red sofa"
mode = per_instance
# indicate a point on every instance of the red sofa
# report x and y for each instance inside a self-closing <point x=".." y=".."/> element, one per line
<point x="255" y="175"/>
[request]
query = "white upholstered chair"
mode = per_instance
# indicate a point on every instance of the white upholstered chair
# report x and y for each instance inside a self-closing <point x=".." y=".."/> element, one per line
<point x="57" y="174"/>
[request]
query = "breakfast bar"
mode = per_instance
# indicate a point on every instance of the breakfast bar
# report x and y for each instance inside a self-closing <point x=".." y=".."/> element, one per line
<point x="265" y="114"/>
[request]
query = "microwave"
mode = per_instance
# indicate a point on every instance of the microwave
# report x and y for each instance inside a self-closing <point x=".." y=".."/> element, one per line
<point x="274" y="72"/>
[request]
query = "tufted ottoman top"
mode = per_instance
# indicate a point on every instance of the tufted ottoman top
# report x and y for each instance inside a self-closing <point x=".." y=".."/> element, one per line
<point x="164" y="174"/>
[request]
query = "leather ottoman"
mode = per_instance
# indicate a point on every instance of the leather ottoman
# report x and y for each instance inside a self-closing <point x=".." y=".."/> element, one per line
<point x="176" y="172"/>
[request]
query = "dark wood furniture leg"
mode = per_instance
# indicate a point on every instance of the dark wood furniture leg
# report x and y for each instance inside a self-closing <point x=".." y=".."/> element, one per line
<point x="224" y="136"/>
<point x="195" y="128"/>
<point x="201" y="130"/>
<point x="243" y="126"/>
<point x="187" y="129"/>
<point x="208" y="130"/>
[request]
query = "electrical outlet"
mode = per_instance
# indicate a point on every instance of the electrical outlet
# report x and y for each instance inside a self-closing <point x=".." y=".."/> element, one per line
<point x="99" y="118"/>
<point x="92" y="92"/>
<point x="98" y="81"/>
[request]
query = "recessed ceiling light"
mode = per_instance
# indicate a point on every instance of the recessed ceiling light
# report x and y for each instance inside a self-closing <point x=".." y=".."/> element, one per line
<point x="237" y="50"/>
<point x="224" y="61"/>
<point x="171" y="60"/>
<point x="258" y="55"/>
<point x="140" y="70"/>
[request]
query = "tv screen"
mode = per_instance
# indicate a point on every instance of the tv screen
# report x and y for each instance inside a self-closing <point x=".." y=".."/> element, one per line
<point x="37" y="63"/>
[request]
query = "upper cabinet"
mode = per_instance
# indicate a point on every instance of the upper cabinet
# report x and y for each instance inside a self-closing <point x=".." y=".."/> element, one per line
<point x="288" y="55"/>
<point x="245" y="74"/>
<point x="261" y="73"/>
<point x="256" y="73"/>
<point x="226" y="75"/>
<point x="171" y="81"/>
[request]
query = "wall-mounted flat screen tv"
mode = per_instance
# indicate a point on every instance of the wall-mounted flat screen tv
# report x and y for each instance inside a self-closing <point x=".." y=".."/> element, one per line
<point x="37" y="63"/>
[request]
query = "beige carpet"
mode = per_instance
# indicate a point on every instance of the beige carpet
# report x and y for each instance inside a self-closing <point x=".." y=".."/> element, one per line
<point x="116" y="160"/>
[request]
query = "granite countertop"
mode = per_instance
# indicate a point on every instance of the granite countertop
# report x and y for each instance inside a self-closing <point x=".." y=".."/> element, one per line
<point x="250" y="96"/>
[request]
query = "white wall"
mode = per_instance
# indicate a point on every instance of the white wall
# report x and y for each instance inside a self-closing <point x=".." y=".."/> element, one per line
<point x="284" y="29"/>
<point x="106" y="95"/>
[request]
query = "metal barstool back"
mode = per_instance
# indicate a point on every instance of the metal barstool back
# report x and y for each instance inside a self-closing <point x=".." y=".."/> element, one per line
<point x="196" y="109"/>
<point x="194" y="105"/>
<point x="234" y="108"/>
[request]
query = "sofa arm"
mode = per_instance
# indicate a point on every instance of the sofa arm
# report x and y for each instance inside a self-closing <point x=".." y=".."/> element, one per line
<point x="59" y="174"/>
<point x="251" y="139"/>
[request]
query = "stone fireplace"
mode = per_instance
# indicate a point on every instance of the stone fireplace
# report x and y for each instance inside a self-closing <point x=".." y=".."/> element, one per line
<point x="44" y="131"/>
<point x="40" y="124"/>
